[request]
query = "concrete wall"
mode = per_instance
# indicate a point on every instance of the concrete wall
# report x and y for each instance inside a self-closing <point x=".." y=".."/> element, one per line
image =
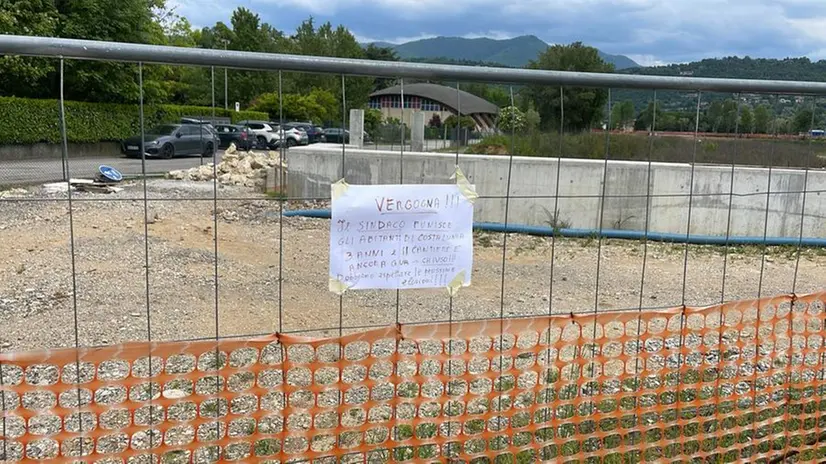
<point x="312" y="169"/>
<point x="54" y="151"/>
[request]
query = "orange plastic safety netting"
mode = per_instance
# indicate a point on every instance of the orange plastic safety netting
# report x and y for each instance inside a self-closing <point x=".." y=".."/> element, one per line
<point x="738" y="382"/>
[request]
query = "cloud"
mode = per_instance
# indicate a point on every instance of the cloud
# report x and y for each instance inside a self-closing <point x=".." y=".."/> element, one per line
<point x="393" y="40"/>
<point x="647" y="60"/>
<point x="651" y="31"/>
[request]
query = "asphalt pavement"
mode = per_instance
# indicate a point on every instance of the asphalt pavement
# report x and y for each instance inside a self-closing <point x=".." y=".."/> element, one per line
<point x="27" y="172"/>
<point x="38" y="171"/>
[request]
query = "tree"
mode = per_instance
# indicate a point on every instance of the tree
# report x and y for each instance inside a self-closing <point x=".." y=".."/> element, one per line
<point x="435" y="121"/>
<point x="714" y="116"/>
<point x="372" y="52"/>
<point x="496" y="94"/>
<point x="647" y="120"/>
<point x="802" y="121"/>
<point x="762" y="117"/>
<point x="372" y="121"/>
<point x="113" y="20"/>
<point x="729" y="117"/>
<point x="326" y="41"/>
<point x="24" y="76"/>
<point x="466" y="122"/>
<point x="511" y="119"/>
<point x="247" y="33"/>
<point x="622" y="114"/>
<point x="746" y="120"/>
<point x="317" y="106"/>
<point x="583" y="106"/>
<point x="532" y="120"/>
<point x="131" y="21"/>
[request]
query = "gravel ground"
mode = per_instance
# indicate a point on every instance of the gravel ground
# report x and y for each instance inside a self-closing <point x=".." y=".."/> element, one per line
<point x="39" y="309"/>
<point x="37" y="301"/>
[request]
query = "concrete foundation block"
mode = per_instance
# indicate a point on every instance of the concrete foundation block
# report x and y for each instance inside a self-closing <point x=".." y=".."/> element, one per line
<point x="357" y="128"/>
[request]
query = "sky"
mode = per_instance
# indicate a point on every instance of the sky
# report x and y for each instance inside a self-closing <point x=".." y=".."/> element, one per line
<point x="649" y="31"/>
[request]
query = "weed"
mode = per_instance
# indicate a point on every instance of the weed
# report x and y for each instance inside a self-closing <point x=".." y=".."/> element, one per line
<point x="277" y="195"/>
<point x="484" y="240"/>
<point x="554" y="221"/>
<point x="267" y="447"/>
<point x="635" y="147"/>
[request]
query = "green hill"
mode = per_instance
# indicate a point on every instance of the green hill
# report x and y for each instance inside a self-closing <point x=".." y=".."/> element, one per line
<point x="515" y="52"/>
<point x="792" y="69"/>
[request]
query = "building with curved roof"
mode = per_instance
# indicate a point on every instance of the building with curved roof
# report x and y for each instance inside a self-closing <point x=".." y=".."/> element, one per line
<point x="434" y="99"/>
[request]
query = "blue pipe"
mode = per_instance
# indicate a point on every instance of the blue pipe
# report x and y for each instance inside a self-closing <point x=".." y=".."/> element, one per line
<point x="612" y="233"/>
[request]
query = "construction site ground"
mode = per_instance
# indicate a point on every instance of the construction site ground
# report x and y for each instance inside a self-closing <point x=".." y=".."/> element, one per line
<point x="85" y="274"/>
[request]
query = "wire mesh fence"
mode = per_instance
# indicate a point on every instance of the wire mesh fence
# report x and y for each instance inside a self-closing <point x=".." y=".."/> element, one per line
<point x="188" y="319"/>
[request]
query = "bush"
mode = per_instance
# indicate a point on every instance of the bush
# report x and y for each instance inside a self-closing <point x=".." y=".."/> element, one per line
<point x="24" y="121"/>
<point x="638" y="147"/>
<point x="467" y="122"/>
<point x="390" y="132"/>
<point x="372" y="120"/>
<point x="511" y="119"/>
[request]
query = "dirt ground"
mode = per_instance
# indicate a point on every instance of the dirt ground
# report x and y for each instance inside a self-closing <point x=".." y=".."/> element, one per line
<point x="37" y="303"/>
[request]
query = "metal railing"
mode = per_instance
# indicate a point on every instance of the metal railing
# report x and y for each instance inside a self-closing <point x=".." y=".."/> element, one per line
<point x="139" y="53"/>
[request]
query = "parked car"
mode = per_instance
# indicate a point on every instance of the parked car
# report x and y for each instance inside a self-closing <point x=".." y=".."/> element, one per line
<point x="265" y="134"/>
<point x="170" y="140"/>
<point x="315" y="134"/>
<point x="241" y="136"/>
<point x="293" y="135"/>
<point x="208" y="125"/>
<point x="337" y="135"/>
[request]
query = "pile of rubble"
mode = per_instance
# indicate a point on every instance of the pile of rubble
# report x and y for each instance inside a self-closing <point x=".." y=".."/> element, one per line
<point x="248" y="169"/>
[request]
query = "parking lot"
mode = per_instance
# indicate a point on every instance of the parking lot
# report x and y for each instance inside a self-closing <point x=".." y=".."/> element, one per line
<point x="22" y="172"/>
<point x="34" y="171"/>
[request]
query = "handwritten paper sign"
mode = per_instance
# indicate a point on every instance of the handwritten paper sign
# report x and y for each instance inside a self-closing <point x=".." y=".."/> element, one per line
<point x="400" y="236"/>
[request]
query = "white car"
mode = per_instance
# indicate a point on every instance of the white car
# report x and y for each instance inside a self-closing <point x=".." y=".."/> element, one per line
<point x="294" y="136"/>
<point x="265" y="135"/>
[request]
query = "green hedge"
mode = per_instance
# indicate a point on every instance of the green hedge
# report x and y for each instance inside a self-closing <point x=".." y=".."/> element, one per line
<point x="24" y="120"/>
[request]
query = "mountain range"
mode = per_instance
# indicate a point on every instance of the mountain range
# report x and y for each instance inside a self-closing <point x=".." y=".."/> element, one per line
<point x="518" y="51"/>
<point x="515" y="52"/>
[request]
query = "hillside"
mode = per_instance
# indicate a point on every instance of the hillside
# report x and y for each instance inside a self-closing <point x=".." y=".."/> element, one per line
<point x="518" y="51"/>
<point x="792" y="69"/>
<point x="515" y="52"/>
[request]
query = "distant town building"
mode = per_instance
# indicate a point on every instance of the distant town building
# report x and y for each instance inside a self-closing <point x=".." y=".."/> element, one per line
<point x="433" y="99"/>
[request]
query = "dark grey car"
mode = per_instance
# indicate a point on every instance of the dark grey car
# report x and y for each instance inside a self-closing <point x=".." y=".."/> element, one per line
<point x="170" y="140"/>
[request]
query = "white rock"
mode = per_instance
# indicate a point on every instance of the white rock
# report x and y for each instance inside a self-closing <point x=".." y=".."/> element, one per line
<point x="174" y="394"/>
<point x="236" y="168"/>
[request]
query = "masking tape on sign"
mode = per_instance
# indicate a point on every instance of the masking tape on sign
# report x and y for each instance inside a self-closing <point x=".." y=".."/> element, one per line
<point x="467" y="189"/>
<point x="455" y="284"/>
<point x="338" y="287"/>
<point x="338" y="189"/>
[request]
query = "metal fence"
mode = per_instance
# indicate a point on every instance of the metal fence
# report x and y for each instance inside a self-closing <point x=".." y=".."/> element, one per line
<point x="194" y="322"/>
